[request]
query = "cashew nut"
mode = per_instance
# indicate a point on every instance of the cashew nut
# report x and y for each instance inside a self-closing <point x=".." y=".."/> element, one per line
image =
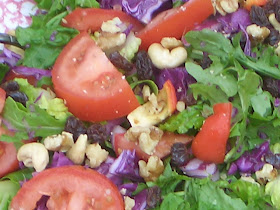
<point x="96" y="155"/>
<point x="62" y="142"/>
<point x="272" y="19"/>
<point x="165" y="58"/>
<point x="34" y="155"/>
<point x="78" y="150"/>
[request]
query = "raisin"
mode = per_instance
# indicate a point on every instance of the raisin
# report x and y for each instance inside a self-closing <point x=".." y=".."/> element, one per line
<point x="97" y="133"/>
<point x="271" y="85"/>
<point x="144" y="65"/>
<point x="18" y="96"/>
<point x="120" y="62"/>
<point x="153" y="197"/>
<point x="75" y="126"/>
<point x="273" y="38"/>
<point x="273" y="159"/>
<point x="10" y="86"/>
<point x="179" y="154"/>
<point x="206" y="61"/>
<point x="273" y="6"/>
<point x="258" y="16"/>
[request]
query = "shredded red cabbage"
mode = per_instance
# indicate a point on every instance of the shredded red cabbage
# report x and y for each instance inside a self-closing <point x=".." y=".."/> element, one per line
<point x="27" y="71"/>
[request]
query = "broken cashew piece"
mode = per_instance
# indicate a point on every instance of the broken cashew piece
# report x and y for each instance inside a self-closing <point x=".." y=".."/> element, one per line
<point x="165" y="58"/>
<point x="78" y="150"/>
<point x="34" y="155"/>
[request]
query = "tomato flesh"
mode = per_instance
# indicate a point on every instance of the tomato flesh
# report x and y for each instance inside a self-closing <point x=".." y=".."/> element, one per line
<point x="2" y="99"/>
<point x="69" y="187"/>
<point x="210" y="143"/>
<point x="91" y="19"/>
<point x="162" y="149"/>
<point x="94" y="90"/>
<point x="175" y="22"/>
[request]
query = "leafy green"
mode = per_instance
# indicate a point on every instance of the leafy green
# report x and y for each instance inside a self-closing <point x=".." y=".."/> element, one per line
<point x="3" y="70"/>
<point x="46" y="37"/>
<point x="29" y="121"/>
<point x="216" y="74"/>
<point x="9" y="185"/>
<point x="8" y="190"/>
<point x="45" y="99"/>
<point x="190" y="118"/>
<point x="218" y="45"/>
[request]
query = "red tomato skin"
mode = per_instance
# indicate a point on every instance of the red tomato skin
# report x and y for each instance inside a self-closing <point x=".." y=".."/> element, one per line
<point x="175" y="22"/>
<point x="78" y="185"/>
<point x="91" y="19"/>
<point x="162" y="149"/>
<point x="94" y="90"/>
<point x="210" y="143"/>
<point x="171" y="95"/>
<point x="2" y="99"/>
<point x="8" y="155"/>
<point x="249" y="3"/>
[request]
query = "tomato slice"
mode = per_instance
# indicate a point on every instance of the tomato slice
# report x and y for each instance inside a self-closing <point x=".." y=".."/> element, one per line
<point x="94" y="90"/>
<point x="249" y="3"/>
<point x="175" y="22"/>
<point x="210" y="143"/>
<point x="162" y="149"/>
<point x="8" y="155"/>
<point x="91" y="19"/>
<point x="2" y="99"/>
<point x="69" y="187"/>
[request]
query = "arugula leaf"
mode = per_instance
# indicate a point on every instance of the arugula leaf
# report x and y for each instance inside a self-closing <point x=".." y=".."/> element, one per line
<point x="210" y="93"/>
<point x="216" y="74"/>
<point x="190" y="118"/>
<point x="29" y="120"/>
<point x="211" y="42"/>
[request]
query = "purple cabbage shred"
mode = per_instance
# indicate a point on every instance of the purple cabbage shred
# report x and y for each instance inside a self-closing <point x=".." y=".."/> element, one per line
<point x="141" y="200"/>
<point x="27" y="71"/>
<point x="179" y="77"/>
<point x="143" y="10"/>
<point x="126" y="166"/>
<point x="9" y="57"/>
<point x="59" y="159"/>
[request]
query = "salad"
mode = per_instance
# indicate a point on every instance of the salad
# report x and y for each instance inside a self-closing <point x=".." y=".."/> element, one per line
<point x="142" y="104"/>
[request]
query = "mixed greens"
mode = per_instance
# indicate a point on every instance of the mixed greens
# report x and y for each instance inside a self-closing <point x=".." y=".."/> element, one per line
<point x="225" y="63"/>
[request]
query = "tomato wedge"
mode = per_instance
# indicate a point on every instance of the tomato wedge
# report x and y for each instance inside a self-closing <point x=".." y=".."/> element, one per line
<point x="249" y="3"/>
<point x="175" y="22"/>
<point x="8" y="155"/>
<point x="69" y="187"/>
<point x="2" y="99"/>
<point x="94" y="90"/>
<point x="162" y="149"/>
<point x="91" y="19"/>
<point x="210" y="143"/>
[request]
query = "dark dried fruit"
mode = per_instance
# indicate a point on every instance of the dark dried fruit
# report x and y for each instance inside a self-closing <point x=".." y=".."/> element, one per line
<point x="206" y="61"/>
<point x="10" y="86"/>
<point x="273" y="6"/>
<point x="258" y="16"/>
<point x="18" y="96"/>
<point x="179" y="154"/>
<point x="153" y="197"/>
<point x="75" y="126"/>
<point x="97" y="133"/>
<point x="271" y="85"/>
<point x="273" y="159"/>
<point x="120" y="62"/>
<point x="144" y="66"/>
<point x="273" y="38"/>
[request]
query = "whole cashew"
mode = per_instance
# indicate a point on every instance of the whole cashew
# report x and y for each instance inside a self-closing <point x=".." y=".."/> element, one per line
<point x="34" y="155"/>
<point x="165" y="58"/>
